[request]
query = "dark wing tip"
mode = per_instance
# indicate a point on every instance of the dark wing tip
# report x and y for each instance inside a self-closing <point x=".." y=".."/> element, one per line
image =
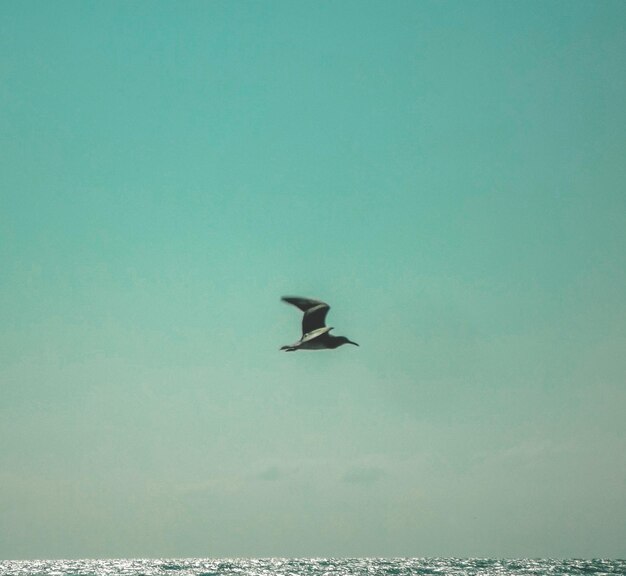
<point x="303" y="304"/>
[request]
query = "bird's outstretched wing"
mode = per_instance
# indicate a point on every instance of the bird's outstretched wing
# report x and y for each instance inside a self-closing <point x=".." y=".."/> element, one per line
<point x="314" y="312"/>
<point x="303" y="303"/>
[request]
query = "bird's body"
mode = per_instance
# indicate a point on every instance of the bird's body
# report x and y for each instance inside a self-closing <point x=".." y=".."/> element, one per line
<point x="315" y="334"/>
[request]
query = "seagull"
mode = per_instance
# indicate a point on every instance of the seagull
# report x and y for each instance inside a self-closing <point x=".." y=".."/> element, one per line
<point x="315" y="334"/>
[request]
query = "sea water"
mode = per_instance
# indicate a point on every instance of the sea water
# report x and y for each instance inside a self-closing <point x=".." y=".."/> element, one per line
<point x="310" y="567"/>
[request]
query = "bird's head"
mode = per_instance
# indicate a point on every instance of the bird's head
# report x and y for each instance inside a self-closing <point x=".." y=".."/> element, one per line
<point x="343" y="340"/>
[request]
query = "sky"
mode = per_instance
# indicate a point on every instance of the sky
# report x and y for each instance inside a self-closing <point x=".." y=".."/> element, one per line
<point x="448" y="176"/>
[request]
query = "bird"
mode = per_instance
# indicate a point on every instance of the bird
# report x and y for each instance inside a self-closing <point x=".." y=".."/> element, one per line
<point x="315" y="334"/>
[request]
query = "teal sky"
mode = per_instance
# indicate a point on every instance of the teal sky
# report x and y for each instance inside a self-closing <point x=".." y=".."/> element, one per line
<point x="449" y="176"/>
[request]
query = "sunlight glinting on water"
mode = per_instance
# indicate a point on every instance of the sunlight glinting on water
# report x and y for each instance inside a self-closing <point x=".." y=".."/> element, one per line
<point x="312" y="567"/>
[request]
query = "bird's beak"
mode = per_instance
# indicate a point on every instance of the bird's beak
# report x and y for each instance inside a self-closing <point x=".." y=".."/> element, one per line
<point x="350" y="342"/>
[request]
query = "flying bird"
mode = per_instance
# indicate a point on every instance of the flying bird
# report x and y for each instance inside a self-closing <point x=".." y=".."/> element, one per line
<point x="315" y="334"/>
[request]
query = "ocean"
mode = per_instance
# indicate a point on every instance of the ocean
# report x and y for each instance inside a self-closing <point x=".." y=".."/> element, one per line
<point x="310" y="567"/>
